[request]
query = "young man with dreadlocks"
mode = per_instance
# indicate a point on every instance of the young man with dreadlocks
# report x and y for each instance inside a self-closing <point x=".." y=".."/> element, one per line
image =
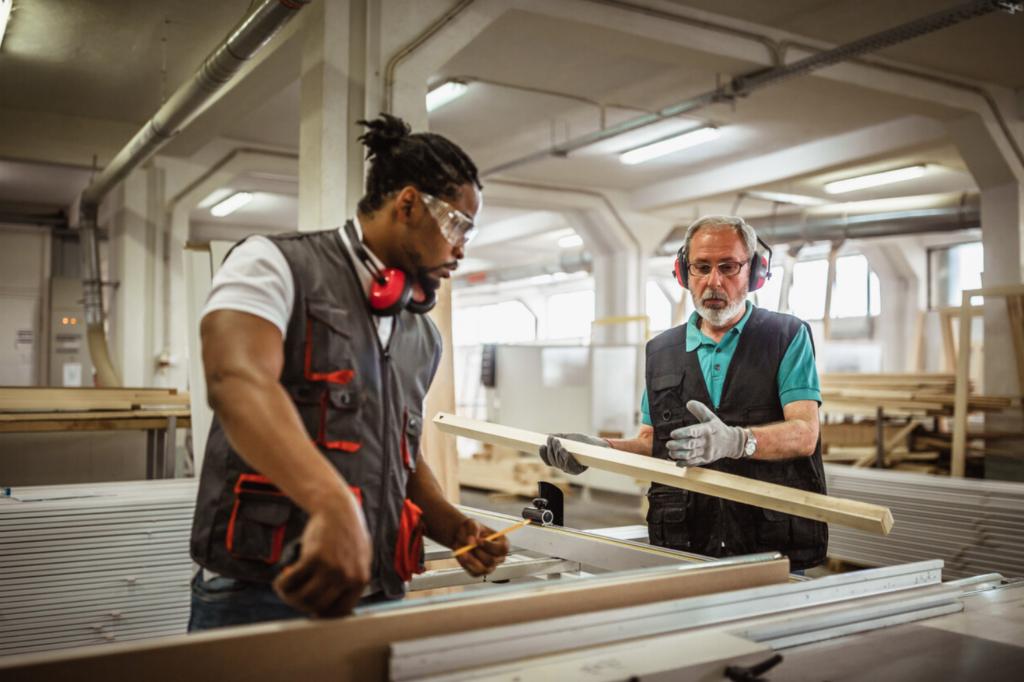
<point x="313" y="497"/>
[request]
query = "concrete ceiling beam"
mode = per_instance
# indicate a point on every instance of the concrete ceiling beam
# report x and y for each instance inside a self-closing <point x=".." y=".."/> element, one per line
<point x="802" y="159"/>
<point x="519" y="227"/>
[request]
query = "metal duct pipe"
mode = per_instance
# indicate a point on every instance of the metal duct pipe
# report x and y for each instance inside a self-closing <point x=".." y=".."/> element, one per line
<point x="800" y="228"/>
<point x="742" y="86"/>
<point x="253" y="32"/>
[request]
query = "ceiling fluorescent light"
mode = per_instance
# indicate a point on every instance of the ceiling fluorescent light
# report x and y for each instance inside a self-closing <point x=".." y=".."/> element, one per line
<point x="672" y="144"/>
<point x="572" y="241"/>
<point x="875" y="179"/>
<point x="5" y="13"/>
<point x="782" y="198"/>
<point x="231" y="204"/>
<point x="444" y="94"/>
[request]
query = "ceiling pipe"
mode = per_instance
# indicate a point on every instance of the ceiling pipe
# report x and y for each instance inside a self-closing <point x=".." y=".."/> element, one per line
<point x="801" y="228"/>
<point x="247" y="38"/>
<point x="744" y="85"/>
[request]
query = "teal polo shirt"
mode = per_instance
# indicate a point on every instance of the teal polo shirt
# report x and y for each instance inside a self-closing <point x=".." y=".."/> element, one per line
<point x="798" y="376"/>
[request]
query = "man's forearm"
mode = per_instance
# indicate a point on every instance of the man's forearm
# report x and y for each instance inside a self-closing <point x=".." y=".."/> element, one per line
<point x="440" y="516"/>
<point x="262" y="425"/>
<point x="786" y="440"/>
<point x="643" y="444"/>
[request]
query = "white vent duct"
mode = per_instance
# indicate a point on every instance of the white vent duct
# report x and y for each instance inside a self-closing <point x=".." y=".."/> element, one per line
<point x="253" y="32"/>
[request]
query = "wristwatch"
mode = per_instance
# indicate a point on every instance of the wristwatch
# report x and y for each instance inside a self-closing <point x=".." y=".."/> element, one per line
<point x="751" y="445"/>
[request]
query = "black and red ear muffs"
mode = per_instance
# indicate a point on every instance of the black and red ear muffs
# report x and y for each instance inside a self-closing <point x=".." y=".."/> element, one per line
<point x="760" y="267"/>
<point x="392" y="290"/>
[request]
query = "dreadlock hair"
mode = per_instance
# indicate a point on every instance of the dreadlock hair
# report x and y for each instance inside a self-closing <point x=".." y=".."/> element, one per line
<point x="399" y="158"/>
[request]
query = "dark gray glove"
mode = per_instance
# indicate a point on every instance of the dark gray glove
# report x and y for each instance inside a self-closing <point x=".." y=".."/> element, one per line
<point x="554" y="455"/>
<point x="705" y="442"/>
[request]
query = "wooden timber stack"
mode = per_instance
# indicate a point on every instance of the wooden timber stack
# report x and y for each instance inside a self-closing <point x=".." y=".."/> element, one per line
<point x="900" y="395"/>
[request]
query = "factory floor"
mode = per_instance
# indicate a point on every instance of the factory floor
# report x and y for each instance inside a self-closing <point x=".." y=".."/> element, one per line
<point x="598" y="509"/>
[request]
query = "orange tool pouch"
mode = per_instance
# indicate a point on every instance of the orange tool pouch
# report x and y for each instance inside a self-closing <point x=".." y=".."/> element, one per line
<point x="258" y="519"/>
<point x="409" y="549"/>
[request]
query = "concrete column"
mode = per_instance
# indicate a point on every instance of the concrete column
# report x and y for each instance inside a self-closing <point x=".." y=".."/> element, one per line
<point x="1000" y="176"/>
<point x="619" y="291"/>
<point x="131" y="266"/>
<point x="333" y="92"/>
<point x="1002" y="226"/>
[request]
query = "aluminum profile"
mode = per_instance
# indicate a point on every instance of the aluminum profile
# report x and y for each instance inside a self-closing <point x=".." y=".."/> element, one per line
<point x="974" y="526"/>
<point x="95" y="570"/>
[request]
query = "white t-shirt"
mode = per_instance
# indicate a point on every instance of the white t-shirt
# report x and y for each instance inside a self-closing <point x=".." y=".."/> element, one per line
<point x="255" y="279"/>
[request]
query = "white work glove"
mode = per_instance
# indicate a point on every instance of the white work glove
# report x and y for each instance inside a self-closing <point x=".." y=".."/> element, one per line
<point x="555" y="455"/>
<point x="706" y="442"/>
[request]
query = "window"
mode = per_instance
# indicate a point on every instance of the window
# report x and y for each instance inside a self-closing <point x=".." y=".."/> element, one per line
<point x="658" y="307"/>
<point x="856" y="293"/>
<point x="951" y="270"/>
<point x="770" y="294"/>
<point x="850" y="294"/>
<point x="807" y="296"/>
<point x="506" y="322"/>
<point x="570" y="315"/>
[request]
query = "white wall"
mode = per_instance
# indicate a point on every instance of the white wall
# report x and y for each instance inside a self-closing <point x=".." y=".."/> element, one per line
<point x="24" y="287"/>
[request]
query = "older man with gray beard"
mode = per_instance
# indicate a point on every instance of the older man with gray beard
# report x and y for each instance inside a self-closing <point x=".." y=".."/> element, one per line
<point x="734" y="390"/>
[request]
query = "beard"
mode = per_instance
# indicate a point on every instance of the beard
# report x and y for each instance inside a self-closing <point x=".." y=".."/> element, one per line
<point x="717" y="317"/>
<point x="427" y="278"/>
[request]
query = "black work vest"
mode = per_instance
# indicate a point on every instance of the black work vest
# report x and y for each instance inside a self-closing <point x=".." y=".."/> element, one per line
<point x="750" y="397"/>
<point x="362" y="406"/>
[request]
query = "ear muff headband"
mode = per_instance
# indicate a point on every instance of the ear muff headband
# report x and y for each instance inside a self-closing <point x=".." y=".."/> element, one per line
<point x="392" y="290"/>
<point x="760" y="267"/>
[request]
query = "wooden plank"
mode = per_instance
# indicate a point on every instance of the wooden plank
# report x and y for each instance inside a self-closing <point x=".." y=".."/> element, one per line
<point x="58" y="425"/>
<point x="915" y="358"/>
<point x="958" y="458"/>
<point x="1015" y="311"/>
<point x="357" y="648"/>
<point x="439" y="448"/>
<point x="53" y="399"/>
<point x="867" y="517"/>
<point x="99" y="414"/>
<point x="830" y="284"/>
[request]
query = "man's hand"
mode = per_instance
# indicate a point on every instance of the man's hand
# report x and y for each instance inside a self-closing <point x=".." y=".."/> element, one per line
<point x="554" y="455"/>
<point x="334" y="564"/>
<point x="487" y="556"/>
<point x="705" y="442"/>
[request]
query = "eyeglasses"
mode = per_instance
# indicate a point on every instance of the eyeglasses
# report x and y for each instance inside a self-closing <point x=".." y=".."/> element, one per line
<point x="456" y="227"/>
<point x="726" y="269"/>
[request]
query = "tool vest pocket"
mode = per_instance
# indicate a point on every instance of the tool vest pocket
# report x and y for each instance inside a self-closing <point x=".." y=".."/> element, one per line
<point x="412" y="435"/>
<point x="773" y="530"/>
<point x="340" y="428"/>
<point x="258" y="519"/>
<point x="666" y="525"/>
<point x="328" y="353"/>
<point x="409" y="549"/>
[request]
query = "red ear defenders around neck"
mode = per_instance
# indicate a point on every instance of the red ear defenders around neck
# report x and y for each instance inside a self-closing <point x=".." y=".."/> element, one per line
<point x="392" y="289"/>
<point x="760" y="267"/>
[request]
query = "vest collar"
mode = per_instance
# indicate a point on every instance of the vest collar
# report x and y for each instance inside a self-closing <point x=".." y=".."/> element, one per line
<point x="695" y="338"/>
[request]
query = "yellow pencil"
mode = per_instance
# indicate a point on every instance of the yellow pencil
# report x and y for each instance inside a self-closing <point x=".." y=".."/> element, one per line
<point x="462" y="550"/>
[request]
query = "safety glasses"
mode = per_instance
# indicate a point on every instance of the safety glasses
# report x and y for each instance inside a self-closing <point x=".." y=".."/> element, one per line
<point x="456" y="227"/>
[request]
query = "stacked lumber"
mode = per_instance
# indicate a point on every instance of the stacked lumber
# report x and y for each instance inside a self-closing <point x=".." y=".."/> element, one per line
<point x="504" y="470"/>
<point x="82" y="399"/>
<point x="912" y="395"/>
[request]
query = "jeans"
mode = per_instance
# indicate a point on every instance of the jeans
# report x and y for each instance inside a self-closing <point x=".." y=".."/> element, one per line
<point x="221" y="602"/>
